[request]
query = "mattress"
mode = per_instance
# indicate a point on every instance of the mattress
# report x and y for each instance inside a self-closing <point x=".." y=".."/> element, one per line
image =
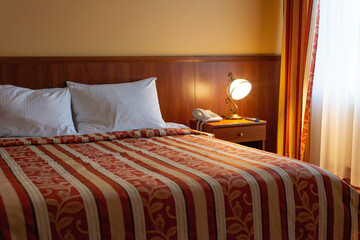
<point x="166" y="184"/>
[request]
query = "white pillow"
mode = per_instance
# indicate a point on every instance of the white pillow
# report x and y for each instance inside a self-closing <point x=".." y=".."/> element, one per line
<point x="48" y="90"/>
<point x="35" y="113"/>
<point x="116" y="107"/>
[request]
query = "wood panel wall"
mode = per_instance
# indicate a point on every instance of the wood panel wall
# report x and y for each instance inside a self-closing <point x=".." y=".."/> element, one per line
<point x="183" y="82"/>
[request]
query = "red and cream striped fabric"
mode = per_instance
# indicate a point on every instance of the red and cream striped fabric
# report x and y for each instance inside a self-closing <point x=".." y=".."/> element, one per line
<point x="166" y="184"/>
<point x="300" y="33"/>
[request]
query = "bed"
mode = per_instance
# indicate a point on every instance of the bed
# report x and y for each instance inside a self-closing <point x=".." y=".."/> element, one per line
<point x="166" y="184"/>
<point x="99" y="162"/>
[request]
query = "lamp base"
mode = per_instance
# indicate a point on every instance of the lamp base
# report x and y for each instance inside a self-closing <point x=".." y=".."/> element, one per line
<point x="233" y="117"/>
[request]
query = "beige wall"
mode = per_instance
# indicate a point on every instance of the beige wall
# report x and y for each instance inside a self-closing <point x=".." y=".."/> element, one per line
<point x="139" y="27"/>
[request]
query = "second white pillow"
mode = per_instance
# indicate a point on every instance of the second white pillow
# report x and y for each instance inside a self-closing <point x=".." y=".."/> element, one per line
<point x="116" y="107"/>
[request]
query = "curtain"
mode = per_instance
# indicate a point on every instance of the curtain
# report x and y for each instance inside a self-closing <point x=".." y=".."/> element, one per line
<point x="335" y="117"/>
<point x="297" y="66"/>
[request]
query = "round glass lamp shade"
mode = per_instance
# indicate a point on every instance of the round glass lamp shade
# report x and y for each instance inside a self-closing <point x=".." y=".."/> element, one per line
<point x="239" y="88"/>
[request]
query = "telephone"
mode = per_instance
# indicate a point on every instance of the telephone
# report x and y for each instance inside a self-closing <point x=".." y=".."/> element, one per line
<point x="205" y="115"/>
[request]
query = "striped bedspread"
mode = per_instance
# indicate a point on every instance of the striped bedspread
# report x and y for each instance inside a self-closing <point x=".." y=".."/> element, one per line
<point x="166" y="184"/>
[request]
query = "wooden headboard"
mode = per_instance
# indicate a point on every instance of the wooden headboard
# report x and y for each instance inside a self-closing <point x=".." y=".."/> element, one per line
<point x="183" y="82"/>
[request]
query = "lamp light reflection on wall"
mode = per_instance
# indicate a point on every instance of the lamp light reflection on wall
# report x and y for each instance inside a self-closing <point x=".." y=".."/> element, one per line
<point x="236" y="89"/>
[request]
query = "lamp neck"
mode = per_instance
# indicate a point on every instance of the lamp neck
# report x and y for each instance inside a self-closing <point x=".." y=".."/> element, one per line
<point x="233" y="106"/>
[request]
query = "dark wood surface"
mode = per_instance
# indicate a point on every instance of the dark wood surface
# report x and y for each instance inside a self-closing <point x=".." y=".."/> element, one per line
<point x="184" y="82"/>
<point x="237" y="131"/>
<point x="262" y="102"/>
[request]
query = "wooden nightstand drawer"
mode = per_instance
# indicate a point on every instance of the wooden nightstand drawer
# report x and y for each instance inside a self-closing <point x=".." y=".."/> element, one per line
<point x="241" y="134"/>
<point x="249" y="133"/>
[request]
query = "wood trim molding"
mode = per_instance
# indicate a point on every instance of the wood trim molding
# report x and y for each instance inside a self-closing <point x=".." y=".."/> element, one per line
<point x="194" y="59"/>
<point x="94" y="59"/>
<point x="248" y="58"/>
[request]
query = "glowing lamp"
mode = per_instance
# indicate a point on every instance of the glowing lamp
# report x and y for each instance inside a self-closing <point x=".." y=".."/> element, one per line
<point x="236" y="89"/>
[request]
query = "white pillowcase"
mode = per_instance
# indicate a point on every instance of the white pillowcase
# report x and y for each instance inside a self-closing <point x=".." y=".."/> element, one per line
<point x="116" y="107"/>
<point x="35" y="113"/>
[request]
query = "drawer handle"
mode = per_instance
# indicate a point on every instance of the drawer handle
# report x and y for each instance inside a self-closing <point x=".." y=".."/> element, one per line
<point x="241" y="134"/>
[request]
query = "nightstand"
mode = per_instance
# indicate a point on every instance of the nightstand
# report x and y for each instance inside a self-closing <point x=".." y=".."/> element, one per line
<point x="249" y="133"/>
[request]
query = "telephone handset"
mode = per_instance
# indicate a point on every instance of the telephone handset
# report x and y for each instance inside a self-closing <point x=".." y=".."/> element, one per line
<point x="205" y="115"/>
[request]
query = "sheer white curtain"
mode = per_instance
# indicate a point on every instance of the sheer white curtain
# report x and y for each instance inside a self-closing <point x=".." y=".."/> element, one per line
<point x="335" y="117"/>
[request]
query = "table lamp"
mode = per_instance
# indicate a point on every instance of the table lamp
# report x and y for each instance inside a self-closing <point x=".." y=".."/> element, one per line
<point x="236" y="89"/>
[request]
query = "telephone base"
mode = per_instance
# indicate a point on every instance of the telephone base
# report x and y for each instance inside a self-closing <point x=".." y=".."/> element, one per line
<point x="234" y="117"/>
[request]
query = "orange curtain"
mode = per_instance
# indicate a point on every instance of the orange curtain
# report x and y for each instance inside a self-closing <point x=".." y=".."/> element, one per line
<point x="297" y="66"/>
